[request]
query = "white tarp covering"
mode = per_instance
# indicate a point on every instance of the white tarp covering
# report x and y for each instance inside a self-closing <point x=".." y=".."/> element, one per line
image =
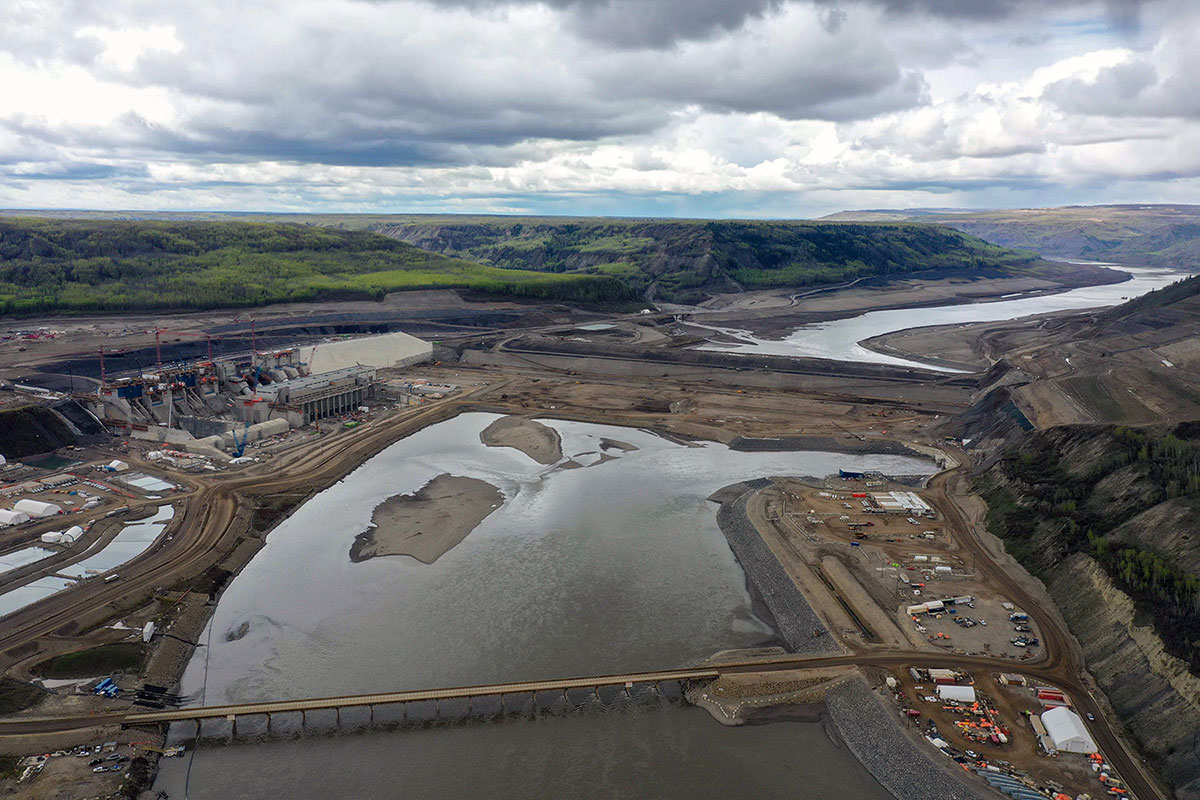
<point x="36" y="508"/>
<point x="1067" y="731"/>
<point x="10" y="517"/>
<point x="963" y="694"/>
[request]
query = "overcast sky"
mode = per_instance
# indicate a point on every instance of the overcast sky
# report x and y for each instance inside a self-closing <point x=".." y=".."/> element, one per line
<point x="747" y="108"/>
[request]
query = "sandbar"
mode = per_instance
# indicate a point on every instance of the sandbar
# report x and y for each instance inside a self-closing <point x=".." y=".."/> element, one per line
<point x="429" y="522"/>
<point x="540" y="442"/>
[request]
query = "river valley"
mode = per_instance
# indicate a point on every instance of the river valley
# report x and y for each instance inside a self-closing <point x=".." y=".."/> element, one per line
<point x="614" y="565"/>
<point x="840" y="339"/>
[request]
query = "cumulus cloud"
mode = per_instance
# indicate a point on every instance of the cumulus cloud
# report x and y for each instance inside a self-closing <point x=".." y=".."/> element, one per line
<point x="745" y="107"/>
<point x="365" y="85"/>
<point x="1164" y="82"/>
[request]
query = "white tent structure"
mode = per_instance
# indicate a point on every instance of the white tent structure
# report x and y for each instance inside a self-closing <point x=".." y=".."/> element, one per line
<point x="1067" y="731"/>
<point x="36" y="508"/>
<point x="10" y="517"/>
<point x="963" y="694"/>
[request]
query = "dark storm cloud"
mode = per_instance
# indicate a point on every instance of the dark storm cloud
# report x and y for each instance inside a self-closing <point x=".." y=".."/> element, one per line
<point x="662" y="23"/>
<point x="1133" y="89"/>
<point x="374" y="98"/>
<point x="76" y="171"/>
<point x="1123" y="12"/>
<point x="646" y="23"/>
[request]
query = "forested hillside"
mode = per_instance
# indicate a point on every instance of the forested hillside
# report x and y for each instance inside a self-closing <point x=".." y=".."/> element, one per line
<point x="1150" y="235"/>
<point x="1128" y="498"/>
<point x="100" y="265"/>
<point x="685" y="260"/>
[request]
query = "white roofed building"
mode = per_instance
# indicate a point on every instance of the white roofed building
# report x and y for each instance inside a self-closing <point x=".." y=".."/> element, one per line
<point x="1067" y="731"/>
<point x="11" y="517"/>
<point x="961" y="694"/>
<point x="36" y="508"/>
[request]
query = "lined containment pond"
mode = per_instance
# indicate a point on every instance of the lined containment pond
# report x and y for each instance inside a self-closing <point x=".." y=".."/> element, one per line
<point x="133" y="539"/>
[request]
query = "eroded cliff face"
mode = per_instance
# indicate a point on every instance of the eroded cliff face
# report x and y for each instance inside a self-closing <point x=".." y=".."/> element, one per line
<point x="1171" y="528"/>
<point x="1152" y="691"/>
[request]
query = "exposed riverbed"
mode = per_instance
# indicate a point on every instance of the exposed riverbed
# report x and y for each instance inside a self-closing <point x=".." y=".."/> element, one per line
<point x="840" y="339"/>
<point x="611" y="566"/>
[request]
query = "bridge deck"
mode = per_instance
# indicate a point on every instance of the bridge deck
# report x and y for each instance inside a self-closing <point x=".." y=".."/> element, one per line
<point x="386" y="698"/>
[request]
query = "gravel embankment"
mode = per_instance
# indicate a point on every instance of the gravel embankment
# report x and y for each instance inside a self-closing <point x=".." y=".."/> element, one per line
<point x="876" y="740"/>
<point x="828" y="444"/>
<point x="793" y="615"/>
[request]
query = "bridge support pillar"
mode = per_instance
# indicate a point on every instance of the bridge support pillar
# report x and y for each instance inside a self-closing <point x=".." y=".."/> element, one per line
<point x="371" y="714"/>
<point x="268" y="722"/>
<point x="337" y="716"/>
<point x="303" y="718"/>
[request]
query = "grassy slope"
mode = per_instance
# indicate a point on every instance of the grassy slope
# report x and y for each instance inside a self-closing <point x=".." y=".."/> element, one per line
<point x="17" y="696"/>
<point x="94" y="662"/>
<point x="166" y="261"/>
<point x="101" y="265"/>
<point x="683" y="260"/>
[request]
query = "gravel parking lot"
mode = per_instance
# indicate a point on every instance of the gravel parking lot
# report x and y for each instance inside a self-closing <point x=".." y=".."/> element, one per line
<point x="993" y="638"/>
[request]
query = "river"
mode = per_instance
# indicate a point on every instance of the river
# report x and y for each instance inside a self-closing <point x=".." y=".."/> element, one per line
<point x="839" y="339"/>
<point x="610" y="567"/>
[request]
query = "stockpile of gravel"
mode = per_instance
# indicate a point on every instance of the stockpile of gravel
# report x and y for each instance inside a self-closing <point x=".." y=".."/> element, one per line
<point x="876" y="739"/>
<point x="793" y="615"/>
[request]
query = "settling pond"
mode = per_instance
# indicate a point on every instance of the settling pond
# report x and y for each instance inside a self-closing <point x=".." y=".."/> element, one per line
<point x="609" y="567"/>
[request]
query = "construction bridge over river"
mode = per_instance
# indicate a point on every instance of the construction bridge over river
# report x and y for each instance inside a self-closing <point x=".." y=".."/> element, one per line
<point x="28" y="725"/>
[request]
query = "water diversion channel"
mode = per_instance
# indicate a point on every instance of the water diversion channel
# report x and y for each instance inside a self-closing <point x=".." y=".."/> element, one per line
<point x="614" y="566"/>
<point x="839" y="339"/>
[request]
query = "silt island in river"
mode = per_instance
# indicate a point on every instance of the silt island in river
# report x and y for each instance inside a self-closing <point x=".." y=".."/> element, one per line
<point x="579" y="549"/>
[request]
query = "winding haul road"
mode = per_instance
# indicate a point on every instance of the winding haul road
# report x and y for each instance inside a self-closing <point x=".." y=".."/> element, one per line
<point x="207" y="529"/>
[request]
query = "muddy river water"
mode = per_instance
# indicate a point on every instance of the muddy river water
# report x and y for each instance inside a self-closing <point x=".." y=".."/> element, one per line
<point x="614" y="566"/>
<point x="839" y="339"/>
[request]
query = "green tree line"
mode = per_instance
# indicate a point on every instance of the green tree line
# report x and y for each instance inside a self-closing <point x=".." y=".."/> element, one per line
<point x="1045" y="511"/>
<point x="97" y="266"/>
